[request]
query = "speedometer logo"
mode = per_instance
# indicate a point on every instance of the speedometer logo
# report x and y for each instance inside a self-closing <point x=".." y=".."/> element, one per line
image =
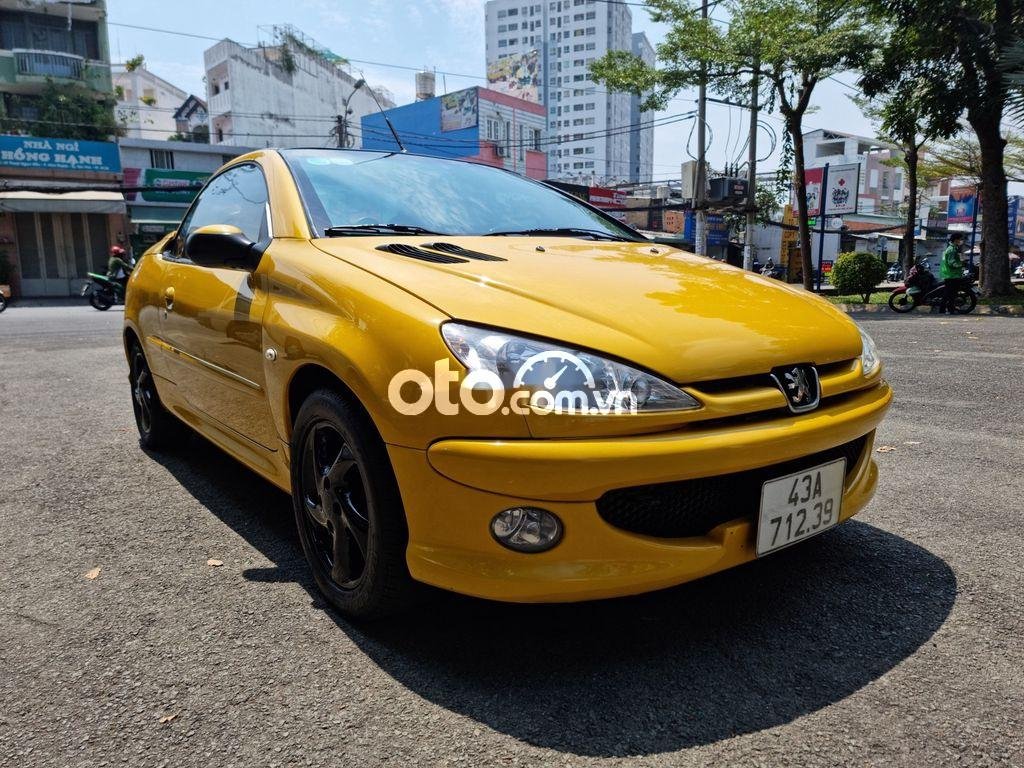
<point x="552" y="370"/>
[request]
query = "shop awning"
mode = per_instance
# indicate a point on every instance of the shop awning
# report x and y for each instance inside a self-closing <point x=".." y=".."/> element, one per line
<point x="86" y="201"/>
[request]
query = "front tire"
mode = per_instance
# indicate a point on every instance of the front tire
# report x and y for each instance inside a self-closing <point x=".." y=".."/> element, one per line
<point x="158" y="429"/>
<point x="901" y="302"/>
<point x="348" y="510"/>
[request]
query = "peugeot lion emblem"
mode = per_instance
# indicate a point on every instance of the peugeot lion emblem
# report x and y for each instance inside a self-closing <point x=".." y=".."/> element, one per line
<point x="800" y="385"/>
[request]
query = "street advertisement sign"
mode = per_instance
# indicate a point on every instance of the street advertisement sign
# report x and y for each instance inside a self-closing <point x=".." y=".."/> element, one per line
<point x="961" y="205"/>
<point x="842" y="193"/>
<point x="172" y="186"/>
<point x="59" y="154"/>
<point x="458" y="110"/>
<point x="718" y="231"/>
<point x="518" y="76"/>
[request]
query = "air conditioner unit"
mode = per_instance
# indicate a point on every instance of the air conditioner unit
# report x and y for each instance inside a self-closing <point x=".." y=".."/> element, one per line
<point x="501" y="150"/>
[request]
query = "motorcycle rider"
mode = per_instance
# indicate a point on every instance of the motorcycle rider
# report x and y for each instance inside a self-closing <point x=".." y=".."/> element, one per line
<point x="951" y="270"/>
<point x="118" y="267"/>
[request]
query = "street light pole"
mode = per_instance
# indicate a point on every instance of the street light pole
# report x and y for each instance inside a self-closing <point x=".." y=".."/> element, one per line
<point x="345" y="140"/>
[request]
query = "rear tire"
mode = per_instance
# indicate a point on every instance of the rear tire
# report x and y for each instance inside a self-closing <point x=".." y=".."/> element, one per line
<point x="901" y="302"/>
<point x="348" y="510"/>
<point x="965" y="302"/>
<point x="101" y="300"/>
<point x="158" y="429"/>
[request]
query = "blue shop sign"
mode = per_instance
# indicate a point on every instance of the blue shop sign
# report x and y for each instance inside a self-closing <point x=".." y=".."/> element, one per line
<point x="59" y="154"/>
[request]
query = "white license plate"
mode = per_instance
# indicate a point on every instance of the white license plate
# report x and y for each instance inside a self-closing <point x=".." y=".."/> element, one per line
<point x="800" y="505"/>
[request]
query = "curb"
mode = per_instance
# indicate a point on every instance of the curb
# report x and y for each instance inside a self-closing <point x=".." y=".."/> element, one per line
<point x="1003" y="310"/>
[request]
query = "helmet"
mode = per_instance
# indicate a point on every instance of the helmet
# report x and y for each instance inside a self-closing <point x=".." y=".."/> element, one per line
<point x="117" y="250"/>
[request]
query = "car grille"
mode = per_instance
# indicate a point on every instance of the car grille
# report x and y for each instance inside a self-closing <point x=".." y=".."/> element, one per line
<point x="694" y="507"/>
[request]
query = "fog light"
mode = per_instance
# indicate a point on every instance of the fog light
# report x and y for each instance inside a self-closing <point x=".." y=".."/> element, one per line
<point x="526" y="529"/>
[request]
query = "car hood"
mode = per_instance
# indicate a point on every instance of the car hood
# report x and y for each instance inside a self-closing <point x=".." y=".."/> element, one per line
<point x="685" y="317"/>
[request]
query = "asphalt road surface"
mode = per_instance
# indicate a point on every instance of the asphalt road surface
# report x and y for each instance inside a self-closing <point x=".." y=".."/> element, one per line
<point x="895" y="639"/>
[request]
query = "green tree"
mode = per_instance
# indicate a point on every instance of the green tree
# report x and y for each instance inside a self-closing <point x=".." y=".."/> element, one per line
<point x="135" y="62"/>
<point x="903" y="123"/>
<point x="959" y="157"/>
<point x="965" y="43"/>
<point x="792" y="45"/>
<point x="64" y="110"/>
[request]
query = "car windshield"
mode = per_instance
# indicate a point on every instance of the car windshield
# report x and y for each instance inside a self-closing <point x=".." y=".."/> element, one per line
<point x="358" y="192"/>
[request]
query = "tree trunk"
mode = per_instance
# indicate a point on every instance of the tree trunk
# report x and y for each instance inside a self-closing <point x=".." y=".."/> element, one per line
<point x="995" y="263"/>
<point x="908" y="236"/>
<point x="794" y="124"/>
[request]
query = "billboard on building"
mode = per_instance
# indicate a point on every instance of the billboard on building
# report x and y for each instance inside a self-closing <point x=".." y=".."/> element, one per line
<point x="841" y="195"/>
<point x="59" y="154"/>
<point x="459" y="110"/>
<point x="1015" y="221"/>
<point x="517" y="75"/>
<point x="611" y="201"/>
<point x="961" y="205"/>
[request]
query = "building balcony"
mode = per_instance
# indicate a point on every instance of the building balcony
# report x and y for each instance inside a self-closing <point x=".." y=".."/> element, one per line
<point x="26" y="71"/>
<point x="219" y="104"/>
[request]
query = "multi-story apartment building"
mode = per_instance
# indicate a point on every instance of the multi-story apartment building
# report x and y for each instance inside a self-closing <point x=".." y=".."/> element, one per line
<point x="882" y="185"/>
<point x="285" y="94"/>
<point x="146" y="103"/>
<point x="588" y="134"/>
<point x="641" y="141"/>
<point x="65" y="42"/>
<point x="54" y="239"/>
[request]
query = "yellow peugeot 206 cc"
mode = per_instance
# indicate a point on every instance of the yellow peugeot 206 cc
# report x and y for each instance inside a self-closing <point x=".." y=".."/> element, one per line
<point x="472" y="380"/>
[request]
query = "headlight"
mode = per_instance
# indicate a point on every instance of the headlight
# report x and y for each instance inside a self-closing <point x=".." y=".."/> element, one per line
<point x="869" y="360"/>
<point x="560" y="379"/>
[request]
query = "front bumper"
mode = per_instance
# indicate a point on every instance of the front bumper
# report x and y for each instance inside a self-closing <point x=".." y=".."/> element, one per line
<point x="452" y="490"/>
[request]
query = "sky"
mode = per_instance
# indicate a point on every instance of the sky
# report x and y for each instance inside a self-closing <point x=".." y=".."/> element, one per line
<point x="446" y="35"/>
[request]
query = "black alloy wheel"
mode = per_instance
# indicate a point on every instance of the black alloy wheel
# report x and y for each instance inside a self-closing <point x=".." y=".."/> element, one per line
<point x="334" y="499"/>
<point x="158" y="429"/>
<point x="348" y="510"/>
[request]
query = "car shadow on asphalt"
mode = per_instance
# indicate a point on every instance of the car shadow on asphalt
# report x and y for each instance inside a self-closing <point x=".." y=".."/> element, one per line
<point x="735" y="653"/>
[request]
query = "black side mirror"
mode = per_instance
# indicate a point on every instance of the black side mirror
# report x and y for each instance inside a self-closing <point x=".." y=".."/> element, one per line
<point x="221" y="245"/>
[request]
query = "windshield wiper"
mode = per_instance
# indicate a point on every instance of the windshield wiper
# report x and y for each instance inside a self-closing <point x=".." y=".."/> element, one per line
<point x="595" y="234"/>
<point x="377" y="229"/>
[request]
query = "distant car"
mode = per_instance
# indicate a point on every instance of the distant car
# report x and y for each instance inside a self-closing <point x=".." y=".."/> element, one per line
<point x="469" y="379"/>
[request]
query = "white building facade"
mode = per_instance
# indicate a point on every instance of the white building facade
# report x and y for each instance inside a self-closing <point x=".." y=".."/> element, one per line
<point x="146" y="103"/>
<point x="284" y="95"/>
<point x="588" y="140"/>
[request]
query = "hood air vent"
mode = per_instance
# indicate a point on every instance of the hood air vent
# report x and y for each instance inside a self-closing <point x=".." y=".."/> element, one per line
<point x="458" y="250"/>
<point x="412" y="252"/>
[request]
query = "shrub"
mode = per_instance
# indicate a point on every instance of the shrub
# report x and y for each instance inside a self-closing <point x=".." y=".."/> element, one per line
<point x="857" y="273"/>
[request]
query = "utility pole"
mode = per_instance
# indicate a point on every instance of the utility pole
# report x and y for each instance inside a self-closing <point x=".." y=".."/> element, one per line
<point x="748" y="251"/>
<point x="822" y="208"/>
<point x="341" y="130"/>
<point x="699" y="196"/>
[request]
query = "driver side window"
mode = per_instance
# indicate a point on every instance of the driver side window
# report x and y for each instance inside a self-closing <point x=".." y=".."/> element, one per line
<point x="237" y="197"/>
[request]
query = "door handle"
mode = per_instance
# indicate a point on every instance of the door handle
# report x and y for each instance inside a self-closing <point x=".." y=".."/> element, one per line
<point x="169" y="298"/>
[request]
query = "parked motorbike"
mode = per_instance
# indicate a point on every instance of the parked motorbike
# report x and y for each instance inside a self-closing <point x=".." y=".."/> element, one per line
<point x="895" y="273"/>
<point x="771" y="270"/>
<point x="921" y="288"/>
<point x="1019" y="272"/>
<point x="3" y="302"/>
<point x="103" y="292"/>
